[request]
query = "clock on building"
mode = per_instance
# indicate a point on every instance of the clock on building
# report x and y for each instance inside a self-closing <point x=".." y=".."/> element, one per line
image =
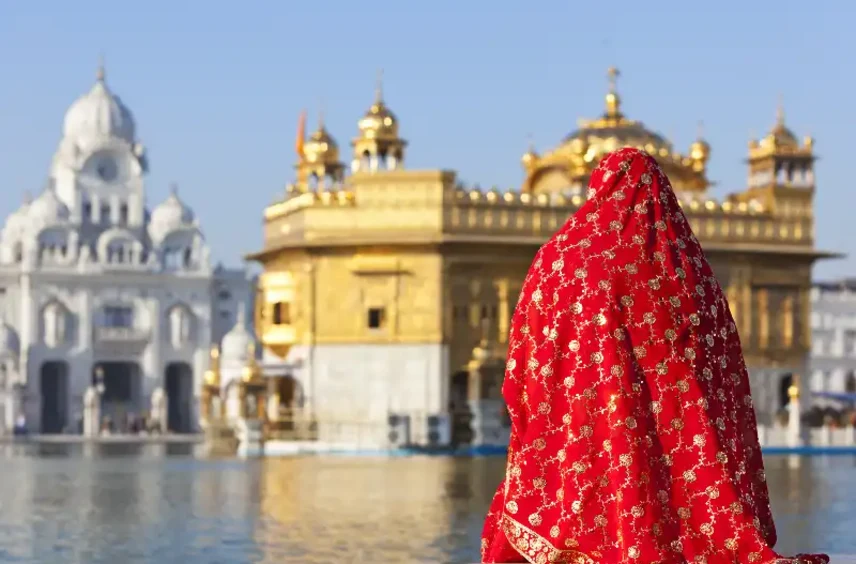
<point x="107" y="169"/>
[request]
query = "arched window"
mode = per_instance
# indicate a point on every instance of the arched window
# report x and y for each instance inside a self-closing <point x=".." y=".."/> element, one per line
<point x="55" y="321"/>
<point x="281" y="313"/>
<point x="180" y="326"/>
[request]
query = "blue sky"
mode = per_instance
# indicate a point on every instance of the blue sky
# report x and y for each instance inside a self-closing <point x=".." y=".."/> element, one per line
<point x="216" y="88"/>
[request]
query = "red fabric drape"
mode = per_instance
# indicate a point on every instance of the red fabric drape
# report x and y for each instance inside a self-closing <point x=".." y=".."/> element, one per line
<point x="633" y="433"/>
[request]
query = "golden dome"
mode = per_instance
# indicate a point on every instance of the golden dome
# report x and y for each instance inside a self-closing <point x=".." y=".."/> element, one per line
<point x="780" y="135"/>
<point x="321" y="147"/>
<point x="612" y="131"/>
<point x="570" y="165"/>
<point x="378" y="122"/>
<point x="700" y="149"/>
<point x="597" y="138"/>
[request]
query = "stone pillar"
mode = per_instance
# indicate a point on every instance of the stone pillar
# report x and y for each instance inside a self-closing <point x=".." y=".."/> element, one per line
<point x="273" y="401"/>
<point x="159" y="409"/>
<point x="794" y="430"/>
<point x="233" y="402"/>
<point x="91" y="412"/>
<point x="205" y="403"/>
<point x="15" y="405"/>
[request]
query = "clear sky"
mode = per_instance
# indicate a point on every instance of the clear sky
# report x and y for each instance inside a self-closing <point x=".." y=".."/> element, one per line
<point x="216" y="88"/>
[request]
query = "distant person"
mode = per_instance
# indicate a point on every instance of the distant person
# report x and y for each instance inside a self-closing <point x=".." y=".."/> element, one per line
<point x="633" y="436"/>
<point x="20" y="429"/>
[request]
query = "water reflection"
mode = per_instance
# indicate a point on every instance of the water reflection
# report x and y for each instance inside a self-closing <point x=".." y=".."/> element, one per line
<point x="115" y="503"/>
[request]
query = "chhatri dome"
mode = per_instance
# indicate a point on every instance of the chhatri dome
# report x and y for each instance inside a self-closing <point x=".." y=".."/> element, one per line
<point x="235" y="347"/>
<point x="321" y="148"/>
<point x="170" y="215"/>
<point x="780" y="139"/>
<point x="566" y="168"/>
<point x="98" y="114"/>
<point x="378" y="122"/>
<point x="378" y="145"/>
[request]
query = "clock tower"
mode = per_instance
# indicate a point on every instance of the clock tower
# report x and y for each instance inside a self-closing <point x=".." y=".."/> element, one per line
<point x="99" y="166"/>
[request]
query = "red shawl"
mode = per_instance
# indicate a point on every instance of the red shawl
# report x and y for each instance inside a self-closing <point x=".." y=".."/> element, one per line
<point x="633" y="433"/>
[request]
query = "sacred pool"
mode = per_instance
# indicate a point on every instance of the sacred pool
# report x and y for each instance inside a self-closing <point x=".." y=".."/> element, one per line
<point x="166" y="503"/>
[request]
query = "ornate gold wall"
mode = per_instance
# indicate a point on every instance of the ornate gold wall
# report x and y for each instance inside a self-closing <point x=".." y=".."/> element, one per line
<point x="389" y="255"/>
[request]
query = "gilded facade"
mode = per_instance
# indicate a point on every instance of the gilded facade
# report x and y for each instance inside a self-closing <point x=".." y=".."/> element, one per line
<point x="382" y="287"/>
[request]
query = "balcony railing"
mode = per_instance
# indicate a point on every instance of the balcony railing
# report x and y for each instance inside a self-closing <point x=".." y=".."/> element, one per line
<point x="117" y="335"/>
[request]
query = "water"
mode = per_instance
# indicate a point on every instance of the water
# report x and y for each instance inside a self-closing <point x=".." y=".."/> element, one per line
<point x="130" y="504"/>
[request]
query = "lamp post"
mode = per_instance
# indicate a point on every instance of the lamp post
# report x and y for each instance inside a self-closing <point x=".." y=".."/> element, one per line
<point x="98" y="380"/>
<point x="98" y="384"/>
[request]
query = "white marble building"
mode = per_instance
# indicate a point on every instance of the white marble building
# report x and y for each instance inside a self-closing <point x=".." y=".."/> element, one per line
<point x="833" y="348"/>
<point x="97" y="289"/>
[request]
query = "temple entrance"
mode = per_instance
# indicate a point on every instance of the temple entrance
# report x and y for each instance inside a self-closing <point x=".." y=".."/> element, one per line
<point x="120" y="387"/>
<point x="784" y="385"/>
<point x="850" y="383"/>
<point x="462" y="432"/>
<point x="287" y="390"/>
<point x="53" y="383"/>
<point x="178" y="384"/>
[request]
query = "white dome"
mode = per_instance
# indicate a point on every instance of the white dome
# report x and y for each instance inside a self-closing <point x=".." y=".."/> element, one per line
<point x="168" y="216"/>
<point x="47" y="209"/>
<point x="98" y="114"/>
<point x="16" y="223"/>
<point x="235" y="347"/>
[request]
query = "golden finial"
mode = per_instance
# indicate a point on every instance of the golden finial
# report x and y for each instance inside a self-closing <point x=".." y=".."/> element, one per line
<point x="101" y="73"/>
<point x="530" y="156"/>
<point x="379" y="87"/>
<point x="780" y="112"/>
<point x="613" y="102"/>
<point x="613" y="74"/>
<point x="700" y="130"/>
<point x="215" y="352"/>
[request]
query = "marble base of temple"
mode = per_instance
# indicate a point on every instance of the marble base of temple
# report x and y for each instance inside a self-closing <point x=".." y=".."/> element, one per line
<point x="489" y="423"/>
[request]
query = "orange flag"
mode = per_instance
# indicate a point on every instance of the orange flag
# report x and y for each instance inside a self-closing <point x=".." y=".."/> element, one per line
<point x="301" y="134"/>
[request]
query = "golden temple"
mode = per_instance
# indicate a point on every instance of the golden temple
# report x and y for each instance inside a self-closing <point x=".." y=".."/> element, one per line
<point x="358" y="264"/>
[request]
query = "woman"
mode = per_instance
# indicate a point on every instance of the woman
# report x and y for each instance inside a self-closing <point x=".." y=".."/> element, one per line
<point x="633" y="433"/>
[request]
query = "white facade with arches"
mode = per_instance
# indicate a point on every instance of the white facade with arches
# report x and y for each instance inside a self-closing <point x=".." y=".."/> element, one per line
<point x="96" y="289"/>
<point x="833" y="347"/>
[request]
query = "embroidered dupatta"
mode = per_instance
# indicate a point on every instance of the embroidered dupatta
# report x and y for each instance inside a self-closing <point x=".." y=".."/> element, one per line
<point x="633" y="432"/>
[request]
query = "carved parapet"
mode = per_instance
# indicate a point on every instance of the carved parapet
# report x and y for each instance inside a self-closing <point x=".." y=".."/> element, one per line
<point x="430" y="205"/>
<point x="309" y="199"/>
<point x="515" y="213"/>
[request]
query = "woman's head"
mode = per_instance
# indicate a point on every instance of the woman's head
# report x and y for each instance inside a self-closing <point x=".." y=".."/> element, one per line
<point x="628" y="186"/>
<point x="628" y="393"/>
